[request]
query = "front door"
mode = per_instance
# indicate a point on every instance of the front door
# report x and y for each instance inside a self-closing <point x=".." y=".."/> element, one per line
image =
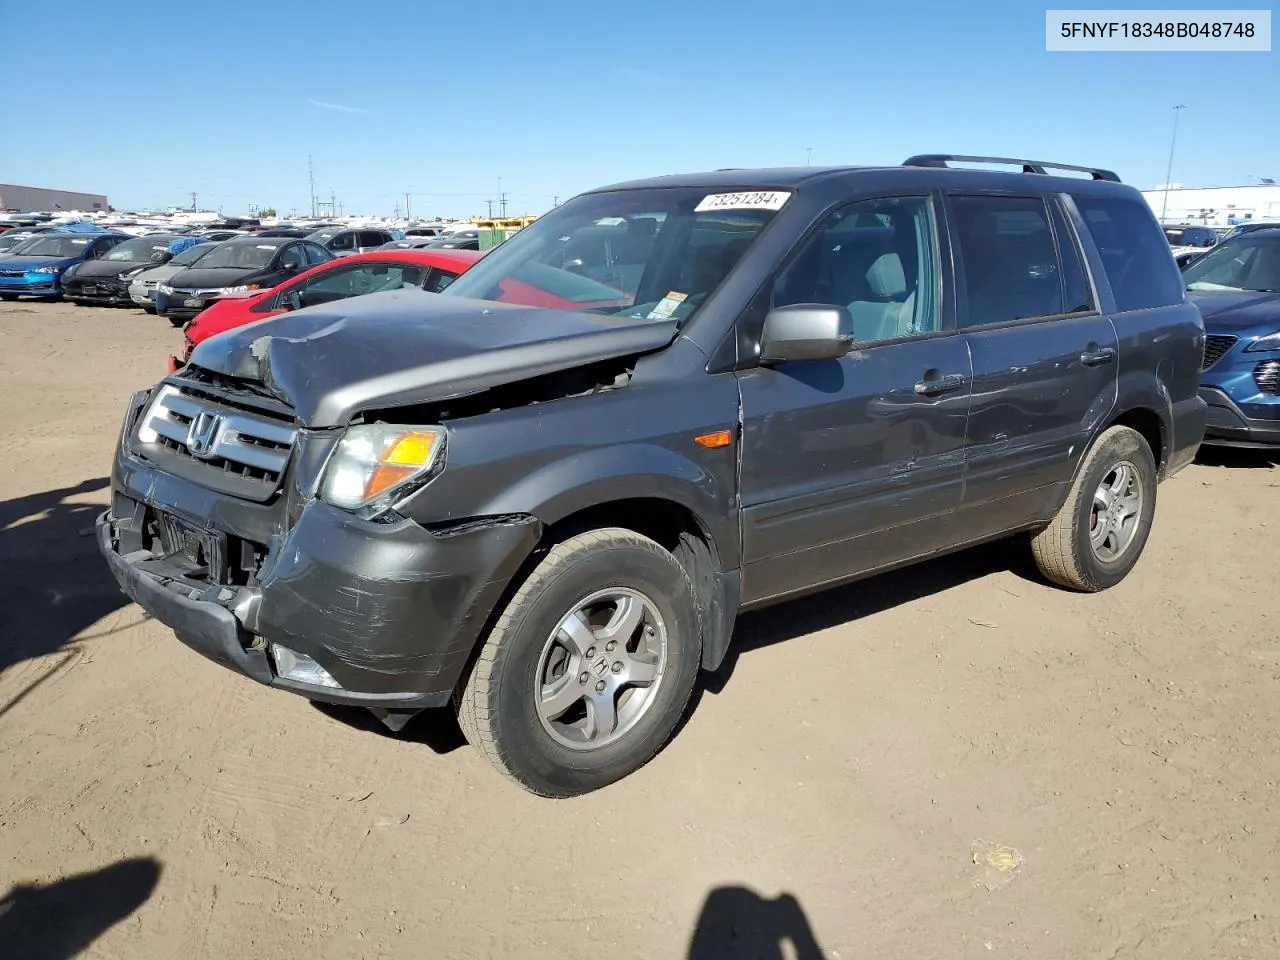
<point x="1045" y="361"/>
<point x="855" y="464"/>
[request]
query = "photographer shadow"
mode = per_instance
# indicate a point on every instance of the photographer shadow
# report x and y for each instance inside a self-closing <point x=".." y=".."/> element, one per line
<point x="738" y="923"/>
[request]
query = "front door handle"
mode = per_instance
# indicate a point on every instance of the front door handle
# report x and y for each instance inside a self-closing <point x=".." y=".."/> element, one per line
<point x="1096" y="358"/>
<point x="935" y="383"/>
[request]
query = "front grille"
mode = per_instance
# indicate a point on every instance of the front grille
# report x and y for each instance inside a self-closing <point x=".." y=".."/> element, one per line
<point x="196" y="434"/>
<point x="1267" y="376"/>
<point x="13" y="273"/>
<point x="1215" y="345"/>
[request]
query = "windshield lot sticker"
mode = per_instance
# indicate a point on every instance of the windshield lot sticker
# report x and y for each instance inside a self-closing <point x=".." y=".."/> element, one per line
<point x="755" y="200"/>
<point x="265" y="246"/>
<point x="78" y="243"/>
<point x="667" y="305"/>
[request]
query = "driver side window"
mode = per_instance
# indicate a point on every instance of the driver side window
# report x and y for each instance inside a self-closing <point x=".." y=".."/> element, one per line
<point x="877" y="258"/>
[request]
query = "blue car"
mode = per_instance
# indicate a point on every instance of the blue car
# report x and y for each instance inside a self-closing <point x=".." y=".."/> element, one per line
<point x="35" y="268"/>
<point x="1237" y="288"/>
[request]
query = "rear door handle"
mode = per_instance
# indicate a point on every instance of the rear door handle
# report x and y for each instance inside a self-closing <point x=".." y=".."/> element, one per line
<point x="932" y="386"/>
<point x="1096" y="358"/>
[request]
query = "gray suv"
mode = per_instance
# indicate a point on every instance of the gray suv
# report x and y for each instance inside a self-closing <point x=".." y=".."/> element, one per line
<point x="542" y="496"/>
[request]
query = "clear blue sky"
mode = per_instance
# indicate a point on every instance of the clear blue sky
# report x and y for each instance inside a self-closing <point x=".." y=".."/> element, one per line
<point x="150" y="101"/>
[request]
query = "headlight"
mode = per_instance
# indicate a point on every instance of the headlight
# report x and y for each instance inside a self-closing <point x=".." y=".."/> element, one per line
<point x="45" y="270"/>
<point x="165" y="288"/>
<point x="375" y="460"/>
<point x="1270" y="342"/>
<point x="243" y="288"/>
<point x="70" y="270"/>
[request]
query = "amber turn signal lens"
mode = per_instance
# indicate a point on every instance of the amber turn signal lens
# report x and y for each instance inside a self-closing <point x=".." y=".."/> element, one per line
<point x="721" y="438"/>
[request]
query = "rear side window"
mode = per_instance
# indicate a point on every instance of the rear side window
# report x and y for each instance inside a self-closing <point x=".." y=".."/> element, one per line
<point x="1011" y="268"/>
<point x="1077" y="294"/>
<point x="1134" y="251"/>
<point x="343" y="241"/>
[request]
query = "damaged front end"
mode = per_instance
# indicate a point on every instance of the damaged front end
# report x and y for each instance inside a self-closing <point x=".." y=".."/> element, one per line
<point x="217" y="532"/>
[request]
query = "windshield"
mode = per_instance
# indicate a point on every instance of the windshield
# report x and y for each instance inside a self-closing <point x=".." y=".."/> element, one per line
<point x="140" y="248"/>
<point x="653" y="254"/>
<point x="1249" y="262"/>
<point x="11" y="243"/>
<point x="239" y="255"/>
<point x="191" y="254"/>
<point x="47" y="246"/>
<point x="323" y="236"/>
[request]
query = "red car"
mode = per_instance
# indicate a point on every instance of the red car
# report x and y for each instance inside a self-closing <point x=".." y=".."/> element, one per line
<point x="352" y="276"/>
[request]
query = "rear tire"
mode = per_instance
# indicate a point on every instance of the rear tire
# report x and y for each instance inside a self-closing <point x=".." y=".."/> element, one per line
<point x="610" y="606"/>
<point x="1099" y="533"/>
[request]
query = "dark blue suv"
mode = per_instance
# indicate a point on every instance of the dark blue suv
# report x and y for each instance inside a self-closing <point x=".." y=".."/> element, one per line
<point x="1237" y="287"/>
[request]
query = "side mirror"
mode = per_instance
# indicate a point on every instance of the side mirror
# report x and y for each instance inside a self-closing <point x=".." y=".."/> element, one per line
<point x="291" y="301"/>
<point x="806" y="331"/>
<point x="291" y="266"/>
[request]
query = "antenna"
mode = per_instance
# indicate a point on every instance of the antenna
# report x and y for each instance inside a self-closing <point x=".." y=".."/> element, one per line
<point x="312" y="177"/>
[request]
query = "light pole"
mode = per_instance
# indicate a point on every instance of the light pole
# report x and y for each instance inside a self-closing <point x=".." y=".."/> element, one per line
<point x="808" y="156"/>
<point x="1168" y="174"/>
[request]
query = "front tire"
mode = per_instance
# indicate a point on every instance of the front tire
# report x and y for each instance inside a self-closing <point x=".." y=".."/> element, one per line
<point x="588" y="669"/>
<point x="8" y="297"/>
<point x="1099" y="533"/>
<point x="175" y="321"/>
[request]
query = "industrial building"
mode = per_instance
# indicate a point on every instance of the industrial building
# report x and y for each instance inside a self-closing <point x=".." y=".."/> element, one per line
<point x="16" y="199"/>
<point x="1216" y="206"/>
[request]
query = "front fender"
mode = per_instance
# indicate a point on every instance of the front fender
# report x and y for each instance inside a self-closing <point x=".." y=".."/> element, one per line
<point x="632" y="471"/>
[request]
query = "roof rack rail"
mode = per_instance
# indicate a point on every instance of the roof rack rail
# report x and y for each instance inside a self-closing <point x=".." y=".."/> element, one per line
<point x="1028" y="166"/>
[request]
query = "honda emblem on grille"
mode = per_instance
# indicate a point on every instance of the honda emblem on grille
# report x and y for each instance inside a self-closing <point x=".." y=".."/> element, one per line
<point x="202" y="434"/>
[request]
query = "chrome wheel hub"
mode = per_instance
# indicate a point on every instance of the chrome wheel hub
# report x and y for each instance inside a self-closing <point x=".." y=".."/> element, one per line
<point x="601" y="668"/>
<point x="1117" y="512"/>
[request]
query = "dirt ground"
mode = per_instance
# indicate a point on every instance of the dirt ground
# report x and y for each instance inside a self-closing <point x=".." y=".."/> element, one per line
<point x="952" y="761"/>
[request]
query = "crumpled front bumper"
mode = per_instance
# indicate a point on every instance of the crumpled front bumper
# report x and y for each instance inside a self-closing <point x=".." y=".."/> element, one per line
<point x="391" y="611"/>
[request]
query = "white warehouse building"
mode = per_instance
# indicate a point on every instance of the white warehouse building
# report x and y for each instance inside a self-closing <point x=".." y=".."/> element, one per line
<point x="1216" y="206"/>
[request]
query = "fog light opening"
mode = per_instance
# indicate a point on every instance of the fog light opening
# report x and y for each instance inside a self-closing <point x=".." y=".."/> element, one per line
<point x="300" y="668"/>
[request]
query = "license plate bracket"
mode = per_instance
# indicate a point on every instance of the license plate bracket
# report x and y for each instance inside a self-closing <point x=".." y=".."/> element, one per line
<point x="90" y="289"/>
<point x="200" y="552"/>
<point x="193" y="302"/>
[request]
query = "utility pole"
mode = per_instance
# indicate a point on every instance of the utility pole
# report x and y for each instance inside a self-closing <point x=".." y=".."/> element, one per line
<point x="1168" y="174"/>
<point x="312" y="177"/>
<point x="502" y="199"/>
<point x="808" y="156"/>
<point x="193" y="201"/>
<point x="490" y="203"/>
<point x="407" y="214"/>
<point x="395" y="211"/>
<point x="333" y="204"/>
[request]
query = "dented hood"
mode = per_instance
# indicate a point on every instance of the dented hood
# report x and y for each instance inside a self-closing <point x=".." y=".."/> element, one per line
<point x="407" y="346"/>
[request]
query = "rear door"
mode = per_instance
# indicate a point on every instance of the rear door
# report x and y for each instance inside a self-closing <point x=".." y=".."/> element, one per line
<point x="1044" y="358"/>
<point x="854" y="464"/>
